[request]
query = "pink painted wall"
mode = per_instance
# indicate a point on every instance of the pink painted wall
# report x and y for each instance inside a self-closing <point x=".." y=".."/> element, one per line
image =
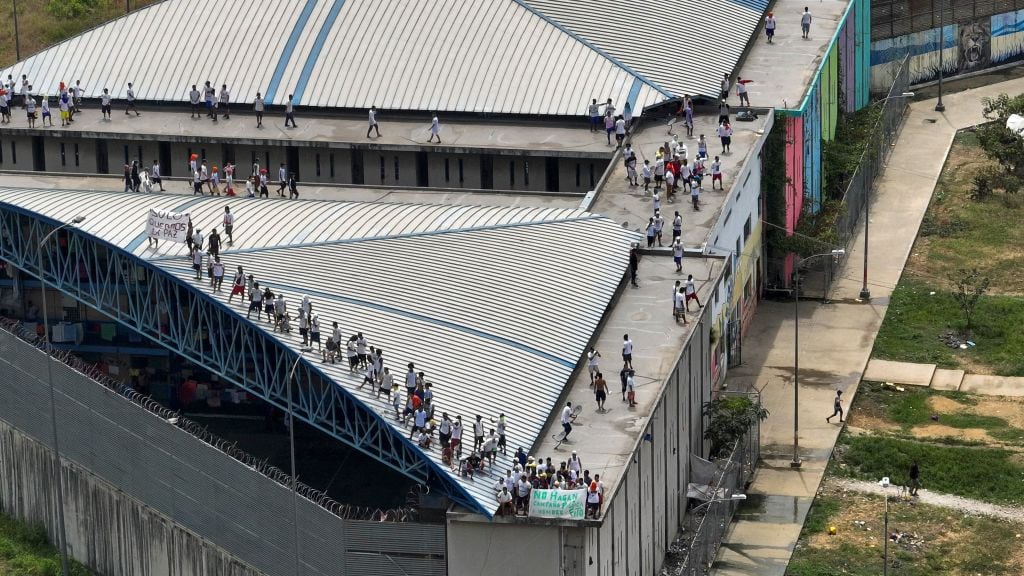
<point x="795" y="174"/>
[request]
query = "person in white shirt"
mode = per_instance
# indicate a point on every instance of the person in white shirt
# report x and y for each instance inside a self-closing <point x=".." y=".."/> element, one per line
<point x="659" y="172"/>
<point x="105" y="104"/>
<point x="691" y="293"/>
<point x="197" y="262"/>
<point x="592" y="363"/>
<point x="77" y="92"/>
<point x="218" y="274"/>
<point x="435" y="129"/>
<point x="627" y="351"/>
<point x="501" y="427"/>
<point x="726" y="85"/>
<point x="225" y="101"/>
<point x="129" y="96"/>
<point x="645" y="172"/>
<point x="805" y="23"/>
<point x="670" y="186"/>
<point x="289" y="112"/>
<point x="257" y="107"/>
<point x="229" y="224"/>
<point x="677" y="227"/>
<point x="45" y="107"/>
<point x="373" y="122"/>
<point x="154" y="175"/>
<point x="566" y="420"/>
<point x="282" y="177"/>
<point x="523" y="488"/>
<point x="769" y="26"/>
<point x="716" y="173"/>
<point x="631" y="388"/>
<point x="387" y="381"/>
<point x="30" y="111"/>
<point x="725" y="133"/>
<point x="620" y="131"/>
<point x="659" y="225"/>
<point x="193" y="99"/>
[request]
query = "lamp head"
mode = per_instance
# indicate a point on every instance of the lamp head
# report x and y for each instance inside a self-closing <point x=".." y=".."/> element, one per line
<point x="78" y="220"/>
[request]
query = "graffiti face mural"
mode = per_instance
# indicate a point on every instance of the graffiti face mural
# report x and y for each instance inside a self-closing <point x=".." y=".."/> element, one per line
<point x="975" y="45"/>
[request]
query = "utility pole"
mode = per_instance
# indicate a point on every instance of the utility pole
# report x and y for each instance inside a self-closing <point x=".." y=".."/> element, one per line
<point x="17" y="40"/>
<point x="939" y="106"/>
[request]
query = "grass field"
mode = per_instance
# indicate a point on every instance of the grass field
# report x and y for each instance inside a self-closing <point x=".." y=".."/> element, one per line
<point x="25" y="551"/>
<point x="39" y="28"/>
<point x="968" y="445"/>
<point x="961" y="233"/>
<point x="942" y="542"/>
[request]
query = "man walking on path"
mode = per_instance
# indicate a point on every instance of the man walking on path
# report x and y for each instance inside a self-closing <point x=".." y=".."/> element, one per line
<point x="289" y="112"/>
<point x="915" y="478"/>
<point x="805" y="23"/>
<point x="627" y="351"/>
<point x="435" y="129"/>
<point x="130" y="97"/>
<point x="634" y="264"/>
<point x="691" y="293"/>
<point x="837" y="407"/>
<point x="229" y="224"/>
<point x="373" y="122"/>
<point x="725" y="134"/>
<point x="600" y="391"/>
<point x="566" y="420"/>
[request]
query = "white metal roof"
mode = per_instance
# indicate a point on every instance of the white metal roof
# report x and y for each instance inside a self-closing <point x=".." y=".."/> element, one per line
<point x="483" y="56"/>
<point x="683" y="47"/>
<point x="496" y="305"/>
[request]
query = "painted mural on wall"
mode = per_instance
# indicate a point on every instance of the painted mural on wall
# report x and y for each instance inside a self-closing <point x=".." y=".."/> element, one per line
<point x="975" y="39"/>
<point x="968" y="46"/>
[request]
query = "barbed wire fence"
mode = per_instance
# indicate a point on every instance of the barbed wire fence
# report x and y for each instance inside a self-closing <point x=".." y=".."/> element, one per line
<point x="407" y="513"/>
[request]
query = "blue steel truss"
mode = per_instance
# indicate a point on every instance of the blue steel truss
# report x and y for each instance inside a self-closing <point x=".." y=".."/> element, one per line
<point x="189" y="322"/>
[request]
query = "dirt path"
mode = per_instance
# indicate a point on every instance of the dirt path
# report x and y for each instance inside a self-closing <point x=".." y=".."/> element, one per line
<point x="965" y="505"/>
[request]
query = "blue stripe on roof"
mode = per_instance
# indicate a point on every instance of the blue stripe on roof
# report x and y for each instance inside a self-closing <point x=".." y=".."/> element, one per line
<point x="634" y="91"/>
<point x="289" y="48"/>
<point x="588" y="44"/>
<point x="318" y="45"/>
<point x="142" y="236"/>
<point x="755" y="5"/>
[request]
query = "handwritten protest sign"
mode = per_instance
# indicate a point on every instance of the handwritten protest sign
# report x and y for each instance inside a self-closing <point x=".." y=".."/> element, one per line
<point x="164" y="225"/>
<point x="567" y="504"/>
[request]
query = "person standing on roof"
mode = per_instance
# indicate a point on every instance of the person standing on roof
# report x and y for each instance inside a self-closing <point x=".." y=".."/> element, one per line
<point x="197" y="261"/>
<point x="609" y="126"/>
<point x="129" y="96"/>
<point x="225" y="101"/>
<point x="691" y="293"/>
<point x="620" y="131"/>
<point x="214" y="243"/>
<point x="373" y="122"/>
<point x="435" y="129"/>
<point x="218" y="273"/>
<point x="314" y="331"/>
<point x="566" y="420"/>
<point x="257" y="107"/>
<point x="289" y="112"/>
<point x="77" y="93"/>
<point x="105" y="104"/>
<point x="594" y="111"/>
<point x="193" y="99"/>
<point x="237" y="284"/>
<point x="255" y="301"/>
<point x="627" y="351"/>
<point x="769" y="26"/>
<point x="726" y="86"/>
<point x="210" y="98"/>
<point x="741" y="91"/>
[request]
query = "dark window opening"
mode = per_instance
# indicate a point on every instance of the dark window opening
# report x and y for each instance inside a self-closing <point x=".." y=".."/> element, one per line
<point x="396" y="169"/>
<point x="512" y="174"/>
<point x="526" y="173"/>
<point x="330" y="159"/>
<point x="383" y="174"/>
<point x="318" y="165"/>
<point x="63" y="155"/>
<point x="447" y="171"/>
<point x="76" y="154"/>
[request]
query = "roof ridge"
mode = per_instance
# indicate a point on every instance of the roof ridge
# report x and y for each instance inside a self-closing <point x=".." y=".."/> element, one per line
<point x="582" y="40"/>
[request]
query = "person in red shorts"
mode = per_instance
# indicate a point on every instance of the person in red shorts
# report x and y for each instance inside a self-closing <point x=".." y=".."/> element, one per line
<point x="237" y="285"/>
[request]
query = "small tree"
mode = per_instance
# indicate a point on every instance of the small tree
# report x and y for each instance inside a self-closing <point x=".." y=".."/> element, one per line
<point x="968" y="288"/>
<point x="730" y="418"/>
<point x="999" y="142"/>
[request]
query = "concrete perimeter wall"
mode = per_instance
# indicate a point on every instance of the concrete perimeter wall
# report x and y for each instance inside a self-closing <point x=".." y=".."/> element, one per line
<point x="145" y="497"/>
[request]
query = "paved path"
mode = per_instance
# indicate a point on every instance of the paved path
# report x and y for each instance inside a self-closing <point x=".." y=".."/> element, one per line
<point x="913" y="374"/>
<point x="836" y="341"/>
<point x="959" y="503"/>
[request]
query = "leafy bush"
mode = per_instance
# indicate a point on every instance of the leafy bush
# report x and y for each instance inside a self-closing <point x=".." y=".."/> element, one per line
<point x="730" y="419"/>
<point x="73" y="8"/>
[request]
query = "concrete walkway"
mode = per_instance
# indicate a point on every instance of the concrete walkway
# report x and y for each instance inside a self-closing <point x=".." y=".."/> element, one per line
<point x="835" y="343"/>
<point x="912" y="374"/>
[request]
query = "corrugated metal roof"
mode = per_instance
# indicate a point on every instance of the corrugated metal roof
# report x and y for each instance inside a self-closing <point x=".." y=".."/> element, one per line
<point x="483" y="56"/>
<point x="682" y="47"/>
<point x="496" y="305"/>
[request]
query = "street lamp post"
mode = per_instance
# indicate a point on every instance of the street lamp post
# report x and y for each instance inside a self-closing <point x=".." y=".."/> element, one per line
<point x="17" y="39"/>
<point x="939" y="107"/>
<point x="885" y="530"/>
<point x="61" y="533"/>
<point x="796" y="462"/>
<point x="291" y="443"/>
<point x="865" y="294"/>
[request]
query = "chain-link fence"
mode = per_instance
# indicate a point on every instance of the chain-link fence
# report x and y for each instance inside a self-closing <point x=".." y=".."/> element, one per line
<point x="859" y="190"/>
<point x="706" y="523"/>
